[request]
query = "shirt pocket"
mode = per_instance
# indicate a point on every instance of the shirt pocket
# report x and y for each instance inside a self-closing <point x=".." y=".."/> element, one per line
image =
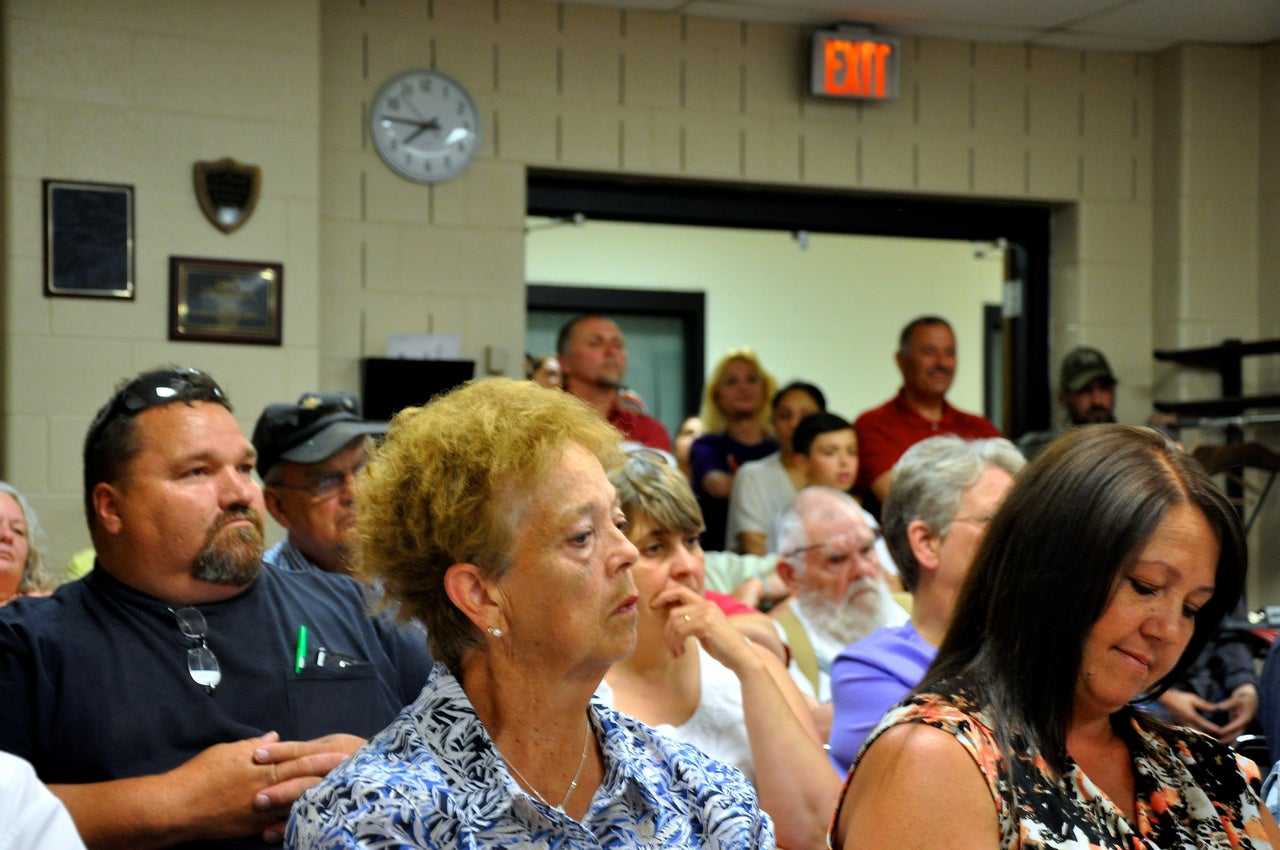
<point x="349" y="698"/>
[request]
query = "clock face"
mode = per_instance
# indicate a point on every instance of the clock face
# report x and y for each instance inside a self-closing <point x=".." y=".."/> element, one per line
<point x="425" y="126"/>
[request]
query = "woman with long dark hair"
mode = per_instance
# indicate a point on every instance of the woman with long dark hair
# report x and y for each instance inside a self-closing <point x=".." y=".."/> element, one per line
<point x="1110" y="564"/>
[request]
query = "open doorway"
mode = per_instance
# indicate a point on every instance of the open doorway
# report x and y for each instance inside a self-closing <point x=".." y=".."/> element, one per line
<point x="823" y="308"/>
<point x="800" y="215"/>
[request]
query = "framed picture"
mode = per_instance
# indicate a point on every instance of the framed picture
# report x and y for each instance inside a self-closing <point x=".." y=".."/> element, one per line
<point x="225" y="300"/>
<point x="88" y="239"/>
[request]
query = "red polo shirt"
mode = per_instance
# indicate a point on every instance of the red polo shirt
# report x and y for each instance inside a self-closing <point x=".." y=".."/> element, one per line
<point x="639" y="427"/>
<point x="885" y="432"/>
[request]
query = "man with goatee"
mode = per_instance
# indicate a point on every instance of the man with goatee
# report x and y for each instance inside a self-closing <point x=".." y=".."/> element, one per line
<point x="181" y="694"/>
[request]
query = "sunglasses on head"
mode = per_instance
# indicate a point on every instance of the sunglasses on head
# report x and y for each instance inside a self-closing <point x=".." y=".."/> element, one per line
<point x="159" y="388"/>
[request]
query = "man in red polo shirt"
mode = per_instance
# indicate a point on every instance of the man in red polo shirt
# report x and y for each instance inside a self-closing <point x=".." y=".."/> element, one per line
<point x="926" y="358"/>
<point x="593" y="357"/>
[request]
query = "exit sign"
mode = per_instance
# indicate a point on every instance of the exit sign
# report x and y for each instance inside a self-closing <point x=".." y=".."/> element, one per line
<point x="852" y="63"/>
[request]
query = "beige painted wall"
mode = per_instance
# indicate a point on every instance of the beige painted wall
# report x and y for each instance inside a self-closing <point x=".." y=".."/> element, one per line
<point x="1140" y="155"/>
<point x="132" y="92"/>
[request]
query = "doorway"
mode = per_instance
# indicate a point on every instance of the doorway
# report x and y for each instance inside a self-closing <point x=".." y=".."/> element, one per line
<point x="1022" y="226"/>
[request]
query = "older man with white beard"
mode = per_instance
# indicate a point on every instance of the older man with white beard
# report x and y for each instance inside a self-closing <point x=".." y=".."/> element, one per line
<point x="829" y="564"/>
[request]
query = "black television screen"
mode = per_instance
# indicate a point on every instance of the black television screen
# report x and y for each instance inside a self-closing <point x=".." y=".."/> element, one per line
<point x="391" y="384"/>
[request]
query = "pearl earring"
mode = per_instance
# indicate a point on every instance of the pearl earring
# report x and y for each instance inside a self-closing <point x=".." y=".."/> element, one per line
<point x="496" y="632"/>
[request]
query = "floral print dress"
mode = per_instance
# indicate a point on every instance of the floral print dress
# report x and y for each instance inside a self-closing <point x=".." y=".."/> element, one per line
<point x="1191" y="791"/>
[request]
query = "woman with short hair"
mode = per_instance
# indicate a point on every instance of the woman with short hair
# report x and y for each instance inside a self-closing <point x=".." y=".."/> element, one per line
<point x="487" y="516"/>
<point x="694" y="676"/>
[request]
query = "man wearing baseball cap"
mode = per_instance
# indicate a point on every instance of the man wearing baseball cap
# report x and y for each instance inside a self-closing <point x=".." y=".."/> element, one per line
<point x="1086" y="390"/>
<point x="308" y="456"/>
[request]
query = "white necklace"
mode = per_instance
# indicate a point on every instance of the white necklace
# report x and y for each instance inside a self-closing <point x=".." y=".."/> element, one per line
<point x="573" y="786"/>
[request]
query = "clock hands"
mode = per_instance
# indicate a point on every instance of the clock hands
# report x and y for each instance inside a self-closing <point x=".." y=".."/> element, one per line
<point x="423" y="126"/>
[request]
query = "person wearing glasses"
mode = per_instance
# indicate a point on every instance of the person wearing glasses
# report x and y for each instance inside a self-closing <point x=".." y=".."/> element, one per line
<point x="309" y="454"/>
<point x="945" y="490"/>
<point x="180" y="694"/>
<point x="826" y="448"/>
<point x="695" y="678"/>
<point x="487" y="515"/>
<point x="1110" y="563"/>
<point x="837" y="587"/>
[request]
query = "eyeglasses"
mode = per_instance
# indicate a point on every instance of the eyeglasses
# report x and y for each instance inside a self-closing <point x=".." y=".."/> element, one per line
<point x="977" y="519"/>
<point x="202" y="664"/>
<point x="157" y="388"/>
<point x="327" y="484"/>
<point x="840" y="549"/>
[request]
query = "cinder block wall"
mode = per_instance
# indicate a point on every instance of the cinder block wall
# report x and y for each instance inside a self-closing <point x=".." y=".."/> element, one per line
<point x="134" y="92"/>
<point x="604" y="90"/>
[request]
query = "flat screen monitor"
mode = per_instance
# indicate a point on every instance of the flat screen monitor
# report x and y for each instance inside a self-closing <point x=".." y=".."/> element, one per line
<point x="390" y="384"/>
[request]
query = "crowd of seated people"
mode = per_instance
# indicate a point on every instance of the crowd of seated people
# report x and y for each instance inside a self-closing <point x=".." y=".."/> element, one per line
<point x="615" y="642"/>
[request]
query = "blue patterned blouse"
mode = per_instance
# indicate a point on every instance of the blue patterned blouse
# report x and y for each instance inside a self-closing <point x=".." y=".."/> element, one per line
<point x="433" y="778"/>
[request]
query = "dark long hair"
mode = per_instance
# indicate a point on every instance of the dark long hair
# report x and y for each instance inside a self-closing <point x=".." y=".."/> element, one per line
<point x="1072" y="522"/>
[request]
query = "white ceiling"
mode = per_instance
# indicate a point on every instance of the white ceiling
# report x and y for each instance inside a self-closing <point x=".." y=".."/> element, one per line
<point x="1127" y="25"/>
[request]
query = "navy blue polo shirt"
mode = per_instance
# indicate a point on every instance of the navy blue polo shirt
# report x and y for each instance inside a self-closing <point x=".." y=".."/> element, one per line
<point x="94" y="683"/>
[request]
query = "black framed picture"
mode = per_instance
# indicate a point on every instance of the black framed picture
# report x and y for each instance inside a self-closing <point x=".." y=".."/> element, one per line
<point x="88" y="239"/>
<point x="225" y="300"/>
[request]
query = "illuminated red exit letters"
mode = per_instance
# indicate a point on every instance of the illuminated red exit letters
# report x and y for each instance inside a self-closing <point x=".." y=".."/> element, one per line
<point x="856" y="67"/>
<point x="845" y="65"/>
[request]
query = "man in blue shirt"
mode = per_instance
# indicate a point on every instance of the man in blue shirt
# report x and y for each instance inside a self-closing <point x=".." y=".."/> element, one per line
<point x="180" y="694"/>
<point x="308" y="456"/>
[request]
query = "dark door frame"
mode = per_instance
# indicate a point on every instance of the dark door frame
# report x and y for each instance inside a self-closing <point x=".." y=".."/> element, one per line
<point x="688" y="307"/>
<point x="666" y="201"/>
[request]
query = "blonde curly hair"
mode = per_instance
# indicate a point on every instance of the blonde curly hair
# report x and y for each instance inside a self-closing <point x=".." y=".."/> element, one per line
<point x="450" y="484"/>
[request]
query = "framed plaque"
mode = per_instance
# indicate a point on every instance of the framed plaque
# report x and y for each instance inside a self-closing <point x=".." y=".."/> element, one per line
<point x="88" y="239"/>
<point x="225" y="300"/>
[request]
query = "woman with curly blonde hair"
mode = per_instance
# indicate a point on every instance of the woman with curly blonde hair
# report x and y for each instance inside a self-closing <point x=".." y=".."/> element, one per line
<point x="487" y="516"/>
<point x="735" y="414"/>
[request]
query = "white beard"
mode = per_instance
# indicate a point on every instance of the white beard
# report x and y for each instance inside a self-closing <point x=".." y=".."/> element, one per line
<point x="855" y="616"/>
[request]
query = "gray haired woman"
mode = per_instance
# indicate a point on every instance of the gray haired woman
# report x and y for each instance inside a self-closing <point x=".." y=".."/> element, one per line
<point x="23" y="567"/>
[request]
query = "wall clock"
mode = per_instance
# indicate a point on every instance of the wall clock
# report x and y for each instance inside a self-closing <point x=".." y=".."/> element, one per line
<point x="425" y="126"/>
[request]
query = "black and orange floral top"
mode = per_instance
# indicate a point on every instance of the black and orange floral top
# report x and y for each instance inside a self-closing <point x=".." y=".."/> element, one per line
<point x="1191" y="790"/>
